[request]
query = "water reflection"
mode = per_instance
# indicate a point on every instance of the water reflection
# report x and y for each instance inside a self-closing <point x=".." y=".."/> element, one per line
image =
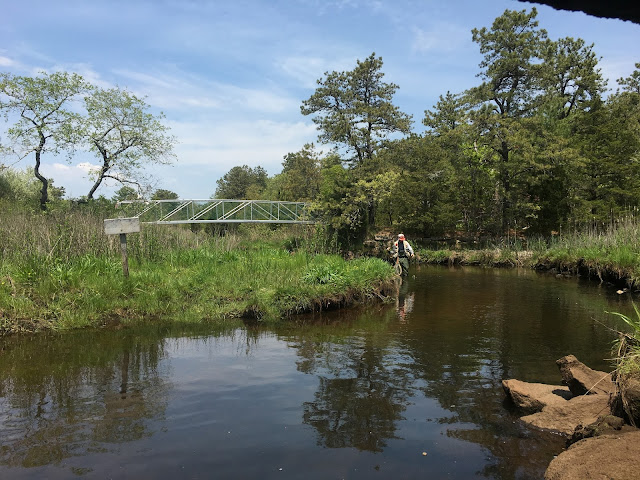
<point x="360" y="397"/>
<point x="62" y="395"/>
<point x="404" y="298"/>
<point x="351" y="394"/>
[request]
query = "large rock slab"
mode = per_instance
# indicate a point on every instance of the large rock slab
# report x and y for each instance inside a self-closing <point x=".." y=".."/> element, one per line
<point x="612" y="457"/>
<point x="583" y="380"/>
<point x="565" y="417"/>
<point x="533" y="397"/>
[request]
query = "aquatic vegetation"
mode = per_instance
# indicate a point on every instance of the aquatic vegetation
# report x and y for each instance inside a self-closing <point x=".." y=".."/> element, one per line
<point x="627" y="346"/>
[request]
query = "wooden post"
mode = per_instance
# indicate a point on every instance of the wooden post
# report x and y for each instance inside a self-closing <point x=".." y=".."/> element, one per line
<point x="123" y="249"/>
<point x="122" y="226"/>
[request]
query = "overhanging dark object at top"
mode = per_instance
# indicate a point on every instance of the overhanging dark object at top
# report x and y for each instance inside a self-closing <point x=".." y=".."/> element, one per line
<point x="622" y="9"/>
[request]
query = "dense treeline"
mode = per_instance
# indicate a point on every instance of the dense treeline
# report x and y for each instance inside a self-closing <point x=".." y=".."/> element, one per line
<point x="540" y="145"/>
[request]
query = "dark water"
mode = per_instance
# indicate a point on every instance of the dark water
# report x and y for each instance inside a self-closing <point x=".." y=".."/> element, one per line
<point x="354" y="394"/>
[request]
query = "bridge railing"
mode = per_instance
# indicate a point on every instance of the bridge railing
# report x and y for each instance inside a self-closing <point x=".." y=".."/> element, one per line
<point x="164" y="212"/>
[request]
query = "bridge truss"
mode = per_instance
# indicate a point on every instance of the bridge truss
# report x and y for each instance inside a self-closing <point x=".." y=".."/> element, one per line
<point x="168" y="212"/>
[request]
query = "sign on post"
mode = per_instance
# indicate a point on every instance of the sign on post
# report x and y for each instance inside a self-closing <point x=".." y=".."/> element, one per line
<point x="122" y="226"/>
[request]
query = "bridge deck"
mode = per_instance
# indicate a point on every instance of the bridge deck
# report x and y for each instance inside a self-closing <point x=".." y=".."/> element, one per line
<point x="178" y="211"/>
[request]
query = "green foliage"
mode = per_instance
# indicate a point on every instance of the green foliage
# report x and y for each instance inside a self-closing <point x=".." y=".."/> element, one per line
<point x="633" y="323"/>
<point x="59" y="270"/>
<point x="119" y="130"/>
<point x="435" y="256"/>
<point x="627" y="347"/>
<point x="125" y="193"/>
<point x="631" y="84"/>
<point x="570" y="76"/>
<point x="340" y="203"/>
<point x="44" y="117"/>
<point x="354" y="109"/>
<point x="243" y="183"/>
<point x="114" y="124"/>
<point x="326" y="273"/>
<point x="300" y="177"/>
<point x="415" y="192"/>
<point x="21" y="187"/>
<point x="181" y="285"/>
<point x="162" y="194"/>
<point x="533" y="149"/>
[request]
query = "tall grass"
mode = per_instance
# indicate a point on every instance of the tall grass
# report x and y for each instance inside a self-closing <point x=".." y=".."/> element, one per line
<point x="612" y="250"/>
<point x="628" y="344"/>
<point x="61" y="271"/>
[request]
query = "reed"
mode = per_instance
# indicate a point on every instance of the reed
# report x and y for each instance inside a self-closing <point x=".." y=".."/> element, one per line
<point x="611" y="251"/>
<point x="59" y="271"/>
<point x="627" y="346"/>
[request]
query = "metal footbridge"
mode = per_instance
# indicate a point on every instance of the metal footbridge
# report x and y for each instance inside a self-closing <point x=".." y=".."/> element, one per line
<point x="168" y="212"/>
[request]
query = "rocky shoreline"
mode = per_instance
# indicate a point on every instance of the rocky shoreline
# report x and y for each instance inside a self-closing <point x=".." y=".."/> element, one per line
<point x="596" y="411"/>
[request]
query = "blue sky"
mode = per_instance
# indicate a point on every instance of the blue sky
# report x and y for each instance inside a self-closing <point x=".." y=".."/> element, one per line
<point x="230" y="75"/>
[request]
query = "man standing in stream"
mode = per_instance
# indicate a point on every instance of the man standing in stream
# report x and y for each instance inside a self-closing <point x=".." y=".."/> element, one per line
<point x="402" y="252"/>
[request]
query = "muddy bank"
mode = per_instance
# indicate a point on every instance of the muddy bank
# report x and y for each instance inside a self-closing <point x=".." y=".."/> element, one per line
<point x="590" y="410"/>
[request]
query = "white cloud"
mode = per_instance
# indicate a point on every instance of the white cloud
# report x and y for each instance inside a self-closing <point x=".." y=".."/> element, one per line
<point x="87" y="167"/>
<point x="6" y="62"/>
<point x="307" y="69"/>
<point x="441" y="38"/>
<point x="180" y="91"/>
<point x="72" y="177"/>
<point x="61" y="167"/>
<point x="256" y="143"/>
<point x="615" y="68"/>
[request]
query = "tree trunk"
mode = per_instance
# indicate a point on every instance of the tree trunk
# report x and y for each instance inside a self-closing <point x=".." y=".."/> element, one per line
<point x="103" y="171"/>
<point x="44" y="194"/>
<point x="506" y="185"/>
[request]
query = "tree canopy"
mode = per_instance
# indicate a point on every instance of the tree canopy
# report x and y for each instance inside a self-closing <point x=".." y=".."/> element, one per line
<point x="354" y="109"/>
<point x="123" y="135"/>
<point x="243" y="182"/>
<point x="43" y="115"/>
<point x="47" y="115"/>
<point x="540" y="143"/>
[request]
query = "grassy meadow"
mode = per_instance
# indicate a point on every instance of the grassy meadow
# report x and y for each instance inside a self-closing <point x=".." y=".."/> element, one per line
<point x="60" y="271"/>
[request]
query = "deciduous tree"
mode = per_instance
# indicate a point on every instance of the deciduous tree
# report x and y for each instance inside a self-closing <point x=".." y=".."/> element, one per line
<point x="125" y="193"/>
<point x="300" y="175"/>
<point x="44" y="115"/>
<point x="242" y="183"/>
<point x="162" y="194"/>
<point x="120" y="130"/>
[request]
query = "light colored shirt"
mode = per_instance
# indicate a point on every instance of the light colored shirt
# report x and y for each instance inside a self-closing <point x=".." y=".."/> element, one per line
<point x="407" y="248"/>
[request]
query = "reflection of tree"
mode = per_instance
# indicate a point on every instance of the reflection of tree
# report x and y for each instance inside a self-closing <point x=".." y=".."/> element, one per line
<point x="67" y="396"/>
<point x="355" y="412"/>
<point x="472" y="329"/>
<point x="135" y="395"/>
<point x="362" y="391"/>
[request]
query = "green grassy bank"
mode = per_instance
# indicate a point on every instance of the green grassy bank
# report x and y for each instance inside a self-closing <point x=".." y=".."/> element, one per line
<point x="59" y="271"/>
<point x="612" y="254"/>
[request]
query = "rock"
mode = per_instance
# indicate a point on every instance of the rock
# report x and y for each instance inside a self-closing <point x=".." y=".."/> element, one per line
<point x="606" y="424"/>
<point x="627" y="401"/>
<point x="383" y="237"/>
<point x="613" y="457"/>
<point x="582" y="380"/>
<point x="565" y="417"/>
<point x="533" y="397"/>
